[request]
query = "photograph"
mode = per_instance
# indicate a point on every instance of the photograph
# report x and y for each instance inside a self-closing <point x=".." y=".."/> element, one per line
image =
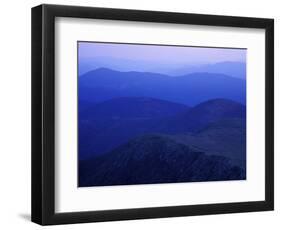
<point x="157" y="113"/>
<point x="140" y="114"/>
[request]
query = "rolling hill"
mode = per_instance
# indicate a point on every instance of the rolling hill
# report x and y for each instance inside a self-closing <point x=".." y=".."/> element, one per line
<point x="105" y="128"/>
<point x="223" y="138"/>
<point x="189" y="89"/>
<point x="201" y="115"/>
<point x="133" y="108"/>
<point x="233" y="69"/>
<point x="154" y="159"/>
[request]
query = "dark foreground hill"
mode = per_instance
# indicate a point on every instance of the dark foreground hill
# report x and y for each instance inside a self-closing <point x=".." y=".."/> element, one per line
<point x="224" y="138"/>
<point x="154" y="159"/>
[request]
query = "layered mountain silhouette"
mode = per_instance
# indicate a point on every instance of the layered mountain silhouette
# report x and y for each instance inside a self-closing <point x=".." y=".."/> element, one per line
<point x="103" y="84"/>
<point x="233" y="69"/>
<point x="154" y="159"/>
<point x="201" y="115"/>
<point x="133" y="108"/>
<point x="104" y="128"/>
<point x="225" y="137"/>
<point x="230" y="68"/>
<point x="143" y="128"/>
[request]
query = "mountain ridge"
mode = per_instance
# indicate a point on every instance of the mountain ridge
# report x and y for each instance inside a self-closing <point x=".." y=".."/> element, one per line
<point x="232" y="68"/>
<point x="134" y="107"/>
<point x="188" y="89"/>
<point x="154" y="159"/>
<point x="99" y="135"/>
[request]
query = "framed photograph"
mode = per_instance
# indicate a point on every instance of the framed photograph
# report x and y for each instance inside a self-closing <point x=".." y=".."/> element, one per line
<point x="142" y="114"/>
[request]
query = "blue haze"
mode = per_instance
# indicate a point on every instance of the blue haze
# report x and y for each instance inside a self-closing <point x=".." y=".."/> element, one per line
<point x="160" y="114"/>
<point x="171" y="60"/>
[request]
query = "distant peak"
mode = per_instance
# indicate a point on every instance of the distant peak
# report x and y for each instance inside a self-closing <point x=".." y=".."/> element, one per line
<point x="230" y="62"/>
<point x="142" y="99"/>
<point x="219" y="104"/>
<point x="220" y="101"/>
<point x="105" y="69"/>
<point x="207" y="74"/>
<point x="100" y="70"/>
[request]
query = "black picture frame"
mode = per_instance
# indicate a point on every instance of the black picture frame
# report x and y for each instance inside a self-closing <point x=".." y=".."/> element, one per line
<point x="43" y="114"/>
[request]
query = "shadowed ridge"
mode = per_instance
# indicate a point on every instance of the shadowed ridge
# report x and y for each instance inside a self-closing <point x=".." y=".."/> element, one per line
<point x="133" y="108"/>
<point x="189" y="89"/>
<point x="154" y="159"/>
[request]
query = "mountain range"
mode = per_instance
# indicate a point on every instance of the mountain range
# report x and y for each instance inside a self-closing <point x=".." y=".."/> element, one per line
<point x="232" y="68"/>
<point x="142" y="128"/>
<point x="133" y="108"/>
<point x="155" y="159"/>
<point x="103" y="127"/>
<point x="191" y="89"/>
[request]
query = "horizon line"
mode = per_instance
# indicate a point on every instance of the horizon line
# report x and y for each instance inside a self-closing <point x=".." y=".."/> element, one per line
<point x="157" y="73"/>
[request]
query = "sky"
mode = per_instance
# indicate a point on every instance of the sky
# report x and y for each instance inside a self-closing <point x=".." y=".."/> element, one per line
<point x="151" y="57"/>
